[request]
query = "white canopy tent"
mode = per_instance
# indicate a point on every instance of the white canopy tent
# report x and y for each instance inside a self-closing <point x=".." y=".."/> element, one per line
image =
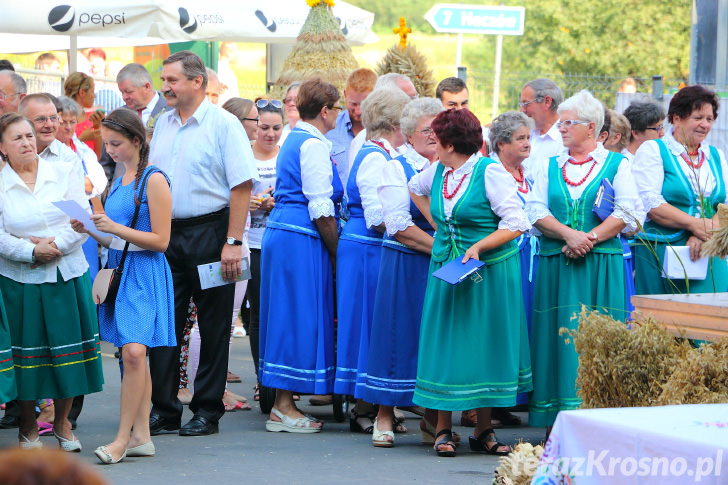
<point x="46" y="25"/>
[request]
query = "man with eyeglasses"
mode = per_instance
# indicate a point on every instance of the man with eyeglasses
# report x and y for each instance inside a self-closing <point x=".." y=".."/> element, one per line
<point x="41" y="111"/>
<point x="646" y="121"/>
<point x="539" y="100"/>
<point x="12" y="90"/>
<point x="348" y="123"/>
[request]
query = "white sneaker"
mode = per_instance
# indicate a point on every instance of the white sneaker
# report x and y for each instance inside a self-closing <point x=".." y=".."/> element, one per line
<point x="239" y="332"/>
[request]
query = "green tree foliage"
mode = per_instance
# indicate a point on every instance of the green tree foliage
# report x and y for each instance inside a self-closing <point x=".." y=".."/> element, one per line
<point x="629" y="37"/>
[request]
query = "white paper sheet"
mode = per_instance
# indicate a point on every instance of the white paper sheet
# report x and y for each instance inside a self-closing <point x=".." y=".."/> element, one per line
<point x="75" y="211"/>
<point x="211" y="274"/>
<point x="678" y="264"/>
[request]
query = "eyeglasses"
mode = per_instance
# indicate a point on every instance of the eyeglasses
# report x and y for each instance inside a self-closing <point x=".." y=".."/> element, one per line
<point x="262" y="103"/>
<point x="250" y="119"/>
<point x="69" y="123"/>
<point x="289" y="100"/>
<point x="41" y="120"/>
<point x="570" y="123"/>
<point x="426" y="132"/>
<point x="656" y="129"/>
<point x="4" y="96"/>
<point x="337" y="108"/>
<point x="523" y="104"/>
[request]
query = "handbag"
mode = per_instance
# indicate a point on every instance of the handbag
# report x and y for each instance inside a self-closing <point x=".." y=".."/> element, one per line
<point x="106" y="283"/>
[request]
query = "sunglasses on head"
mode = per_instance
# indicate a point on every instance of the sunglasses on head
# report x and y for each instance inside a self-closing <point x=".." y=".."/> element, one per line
<point x="262" y="103"/>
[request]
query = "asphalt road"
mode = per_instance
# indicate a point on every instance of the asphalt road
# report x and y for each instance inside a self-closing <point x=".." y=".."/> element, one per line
<point x="244" y="452"/>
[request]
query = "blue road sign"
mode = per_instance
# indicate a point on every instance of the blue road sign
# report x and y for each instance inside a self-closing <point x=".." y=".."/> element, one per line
<point x="473" y="19"/>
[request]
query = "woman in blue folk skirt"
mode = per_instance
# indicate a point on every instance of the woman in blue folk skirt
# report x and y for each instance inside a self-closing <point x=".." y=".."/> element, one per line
<point x="297" y="250"/>
<point x="392" y="356"/>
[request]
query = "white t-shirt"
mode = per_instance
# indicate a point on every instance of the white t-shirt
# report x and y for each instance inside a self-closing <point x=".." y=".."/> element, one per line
<point x="259" y="218"/>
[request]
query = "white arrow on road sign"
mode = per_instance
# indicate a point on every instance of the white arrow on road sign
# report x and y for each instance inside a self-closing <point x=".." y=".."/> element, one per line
<point x="473" y="19"/>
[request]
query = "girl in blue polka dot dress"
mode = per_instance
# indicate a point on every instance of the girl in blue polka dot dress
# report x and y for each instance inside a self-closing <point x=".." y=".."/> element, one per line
<point x="142" y="315"/>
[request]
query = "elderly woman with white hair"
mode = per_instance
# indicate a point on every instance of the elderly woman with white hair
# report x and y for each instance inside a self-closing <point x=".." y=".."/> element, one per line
<point x="405" y="257"/>
<point x="357" y="257"/>
<point x="578" y="250"/>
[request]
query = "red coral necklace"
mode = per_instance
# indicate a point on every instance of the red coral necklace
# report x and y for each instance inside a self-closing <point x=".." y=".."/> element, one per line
<point x="444" y="185"/>
<point x="574" y="162"/>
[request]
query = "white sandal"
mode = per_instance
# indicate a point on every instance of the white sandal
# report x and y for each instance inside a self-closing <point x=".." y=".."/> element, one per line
<point x="290" y="425"/>
<point x="27" y="444"/>
<point x="378" y="437"/>
<point x="72" y="445"/>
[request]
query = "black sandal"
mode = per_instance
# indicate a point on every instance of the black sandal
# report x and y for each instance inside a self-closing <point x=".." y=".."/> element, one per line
<point x="446" y="441"/>
<point x="356" y="427"/>
<point x="479" y="444"/>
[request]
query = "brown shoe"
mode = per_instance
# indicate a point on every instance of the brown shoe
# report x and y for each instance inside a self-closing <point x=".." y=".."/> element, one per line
<point x="469" y="418"/>
<point x="233" y="378"/>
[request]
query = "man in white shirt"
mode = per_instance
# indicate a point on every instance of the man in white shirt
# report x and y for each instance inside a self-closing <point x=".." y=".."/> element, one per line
<point x="539" y="100"/>
<point x="207" y="156"/>
<point x="41" y="111"/>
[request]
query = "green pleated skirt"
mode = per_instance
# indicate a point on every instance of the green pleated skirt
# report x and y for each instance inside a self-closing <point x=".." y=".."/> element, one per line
<point x="596" y="281"/>
<point x="8" y="389"/>
<point x="473" y="349"/>
<point x="55" y="336"/>
<point x="648" y="278"/>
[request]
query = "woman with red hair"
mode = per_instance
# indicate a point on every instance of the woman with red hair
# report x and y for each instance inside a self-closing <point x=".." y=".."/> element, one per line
<point x="473" y="350"/>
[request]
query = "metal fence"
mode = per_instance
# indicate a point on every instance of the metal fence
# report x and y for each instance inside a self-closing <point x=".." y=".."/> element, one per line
<point x="47" y="82"/>
<point x="603" y="87"/>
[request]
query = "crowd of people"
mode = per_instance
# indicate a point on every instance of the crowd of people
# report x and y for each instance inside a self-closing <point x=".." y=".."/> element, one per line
<point x="344" y="204"/>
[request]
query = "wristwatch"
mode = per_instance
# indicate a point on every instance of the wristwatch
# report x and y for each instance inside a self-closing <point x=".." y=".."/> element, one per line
<point x="233" y="242"/>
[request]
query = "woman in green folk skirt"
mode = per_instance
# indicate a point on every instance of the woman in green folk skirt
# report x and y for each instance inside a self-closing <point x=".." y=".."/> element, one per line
<point x="580" y="258"/>
<point x="45" y="284"/>
<point x="473" y="351"/>
<point x="681" y="180"/>
<point x="8" y="389"/>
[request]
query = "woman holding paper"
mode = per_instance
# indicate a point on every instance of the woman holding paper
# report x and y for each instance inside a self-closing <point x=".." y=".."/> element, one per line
<point x="142" y="315"/>
<point x="473" y="351"/>
<point x="681" y="180"/>
<point x="578" y="250"/>
<point x="45" y="285"/>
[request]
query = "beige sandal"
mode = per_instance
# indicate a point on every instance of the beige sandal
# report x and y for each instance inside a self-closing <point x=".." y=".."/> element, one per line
<point x="379" y="437"/>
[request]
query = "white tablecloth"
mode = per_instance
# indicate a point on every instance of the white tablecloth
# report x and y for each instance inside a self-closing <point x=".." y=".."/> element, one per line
<point x="651" y="445"/>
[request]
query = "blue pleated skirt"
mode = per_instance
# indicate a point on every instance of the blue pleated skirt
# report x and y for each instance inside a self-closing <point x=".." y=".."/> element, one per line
<point x="394" y="342"/>
<point x="296" y="313"/>
<point x="529" y="264"/>
<point x="628" y="275"/>
<point x="357" y="269"/>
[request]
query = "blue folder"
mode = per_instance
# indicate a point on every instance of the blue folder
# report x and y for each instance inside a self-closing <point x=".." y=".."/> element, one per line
<point x="604" y="201"/>
<point x="456" y="272"/>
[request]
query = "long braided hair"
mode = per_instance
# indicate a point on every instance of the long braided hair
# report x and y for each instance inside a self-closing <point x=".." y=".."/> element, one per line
<point x="127" y="123"/>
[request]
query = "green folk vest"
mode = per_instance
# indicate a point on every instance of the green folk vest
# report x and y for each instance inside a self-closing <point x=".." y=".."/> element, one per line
<point x="578" y="214"/>
<point x="677" y="191"/>
<point x="472" y="219"/>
